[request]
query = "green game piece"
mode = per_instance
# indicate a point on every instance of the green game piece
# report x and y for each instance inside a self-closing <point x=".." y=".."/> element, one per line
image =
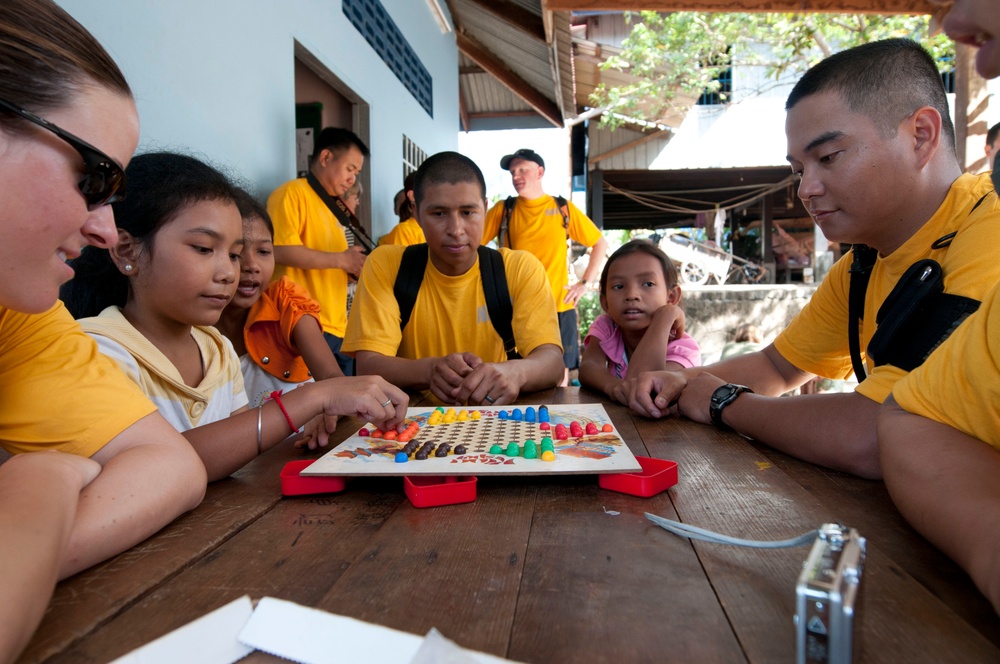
<point x="513" y="449"/>
<point x="530" y="449"/>
<point x="496" y="449"/>
<point x="547" y="445"/>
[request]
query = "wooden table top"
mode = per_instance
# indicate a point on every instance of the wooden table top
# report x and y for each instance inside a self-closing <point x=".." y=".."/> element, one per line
<point x="538" y="569"/>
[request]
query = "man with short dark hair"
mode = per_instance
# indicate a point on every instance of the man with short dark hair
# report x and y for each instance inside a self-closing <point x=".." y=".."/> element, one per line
<point x="451" y="344"/>
<point x="310" y="245"/>
<point x="544" y="225"/>
<point x="870" y="138"/>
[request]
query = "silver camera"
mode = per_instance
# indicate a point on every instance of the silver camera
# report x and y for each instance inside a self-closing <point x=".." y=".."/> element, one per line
<point x="827" y="597"/>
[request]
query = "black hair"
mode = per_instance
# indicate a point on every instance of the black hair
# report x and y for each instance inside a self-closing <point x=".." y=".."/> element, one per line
<point x="643" y="247"/>
<point x="885" y="81"/>
<point x="160" y="186"/>
<point x="337" y="140"/>
<point x="991" y="135"/>
<point x="446" y="168"/>
<point x="250" y="209"/>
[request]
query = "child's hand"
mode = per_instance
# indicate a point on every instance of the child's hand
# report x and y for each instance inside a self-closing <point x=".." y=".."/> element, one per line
<point x="672" y="314"/>
<point x="621" y="391"/>
<point x="448" y="372"/>
<point x="370" y="398"/>
<point x="310" y="436"/>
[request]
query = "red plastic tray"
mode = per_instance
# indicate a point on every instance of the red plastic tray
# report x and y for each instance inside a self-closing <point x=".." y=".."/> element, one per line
<point x="293" y="484"/>
<point x="657" y="475"/>
<point x="433" y="491"/>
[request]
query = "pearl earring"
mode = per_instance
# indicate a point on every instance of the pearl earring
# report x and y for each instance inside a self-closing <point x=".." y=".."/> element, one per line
<point x="128" y="267"/>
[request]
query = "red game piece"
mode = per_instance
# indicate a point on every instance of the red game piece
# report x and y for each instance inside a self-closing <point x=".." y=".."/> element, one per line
<point x="390" y="435"/>
<point x="591" y="428"/>
<point x="377" y="433"/>
<point x="364" y="432"/>
<point x="544" y="426"/>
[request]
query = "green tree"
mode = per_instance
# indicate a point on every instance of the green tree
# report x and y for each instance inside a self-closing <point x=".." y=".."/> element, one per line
<point x="678" y="56"/>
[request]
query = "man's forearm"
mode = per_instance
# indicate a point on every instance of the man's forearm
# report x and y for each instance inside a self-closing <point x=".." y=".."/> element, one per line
<point x="541" y="369"/>
<point x="832" y="430"/>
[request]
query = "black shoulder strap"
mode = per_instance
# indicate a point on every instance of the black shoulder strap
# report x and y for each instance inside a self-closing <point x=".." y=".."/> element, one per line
<point x="498" y="303"/>
<point x="503" y="237"/>
<point x="861" y="272"/>
<point x="340" y="211"/>
<point x="408" y="280"/>
<point x="564" y="211"/>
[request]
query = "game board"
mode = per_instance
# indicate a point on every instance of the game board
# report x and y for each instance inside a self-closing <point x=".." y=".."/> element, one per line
<point x="597" y="449"/>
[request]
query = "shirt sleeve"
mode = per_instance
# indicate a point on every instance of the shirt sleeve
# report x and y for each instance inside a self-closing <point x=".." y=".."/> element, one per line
<point x="535" y="322"/>
<point x="287" y="214"/>
<point x="374" y="321"/>
<point x="293" y="302"/>
<point x="582" y="228"/>
<point x="684" y="351"/>
<point x="491" y="228"/>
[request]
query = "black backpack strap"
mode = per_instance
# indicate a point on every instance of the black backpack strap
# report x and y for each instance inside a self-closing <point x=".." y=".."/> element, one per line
<point x="498" y="303"/>
<point x="564" y="211"/>
<point x="408" y="280"/>
<point x="503" y="237"/>
<point x="861" y="272"/>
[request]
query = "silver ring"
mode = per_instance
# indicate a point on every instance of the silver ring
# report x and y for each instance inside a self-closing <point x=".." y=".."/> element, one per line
<point x="490" y="399"/>
<point x="386" y="402"/>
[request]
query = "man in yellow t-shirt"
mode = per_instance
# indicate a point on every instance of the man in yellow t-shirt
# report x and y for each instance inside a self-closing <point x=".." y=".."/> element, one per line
<point x="450" y="345"/>
<point x="537" y="225"/>
<point x="870" y="136"/>
<point x="310" y="246"/>
<point x="404" y="233"/>
<point x="939" y="433"/>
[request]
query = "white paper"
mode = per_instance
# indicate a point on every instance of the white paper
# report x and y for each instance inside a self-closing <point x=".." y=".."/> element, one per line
<point x="210" y="639"/>
<point x="310" y="636"/>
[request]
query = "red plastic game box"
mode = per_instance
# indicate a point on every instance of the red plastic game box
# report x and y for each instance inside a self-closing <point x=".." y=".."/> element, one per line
<point x="433" y="491"/>
<point x="294" y="484"/>
<point x="657" y="475"/>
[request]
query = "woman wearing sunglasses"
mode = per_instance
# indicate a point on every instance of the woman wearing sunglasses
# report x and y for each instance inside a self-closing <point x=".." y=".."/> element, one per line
<point x="95" y="468"/>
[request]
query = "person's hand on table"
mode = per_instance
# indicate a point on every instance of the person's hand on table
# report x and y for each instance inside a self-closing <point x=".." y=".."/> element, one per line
<point x="489" y="384"/>
<point x="653" y="392"/>
<point x="696" y="397"/>
<point x="448" y="372"/>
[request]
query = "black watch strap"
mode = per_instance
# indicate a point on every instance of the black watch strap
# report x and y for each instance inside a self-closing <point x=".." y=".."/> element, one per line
<point x="721" y="398"/>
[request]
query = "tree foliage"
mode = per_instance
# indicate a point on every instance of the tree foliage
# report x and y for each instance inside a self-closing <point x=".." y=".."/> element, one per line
<point x="678" y="56"/>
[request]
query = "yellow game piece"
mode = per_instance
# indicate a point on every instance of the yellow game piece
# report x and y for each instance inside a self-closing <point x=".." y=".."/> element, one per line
<point x="548" y="456"/>
<point x="475" y="415"/>
<point x="435" y="418"/>
<point x="463" y="416"/>
<point x="450" y="416"/>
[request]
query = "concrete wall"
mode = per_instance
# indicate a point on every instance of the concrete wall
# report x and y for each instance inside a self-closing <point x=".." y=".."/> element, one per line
<point x="216" y="79"/>
<point x="713" y="313"/>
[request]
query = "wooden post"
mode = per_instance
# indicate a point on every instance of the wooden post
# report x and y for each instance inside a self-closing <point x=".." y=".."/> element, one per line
<point x="971" y="102"/>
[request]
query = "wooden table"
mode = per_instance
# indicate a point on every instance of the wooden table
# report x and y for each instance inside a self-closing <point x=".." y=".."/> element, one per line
<point x="539" y="569"/>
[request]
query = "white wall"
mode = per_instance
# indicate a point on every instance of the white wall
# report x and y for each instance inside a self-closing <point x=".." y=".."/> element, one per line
<point x="216" y="79"/>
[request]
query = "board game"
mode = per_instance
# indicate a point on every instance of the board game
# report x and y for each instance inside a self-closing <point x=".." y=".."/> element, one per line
<point x="522" y="440"/>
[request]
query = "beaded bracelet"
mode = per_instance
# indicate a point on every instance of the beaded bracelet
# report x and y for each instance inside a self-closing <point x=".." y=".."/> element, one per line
<point x="276" y="398"/>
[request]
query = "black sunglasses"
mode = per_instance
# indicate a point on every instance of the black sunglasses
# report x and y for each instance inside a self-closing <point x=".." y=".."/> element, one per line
<point x="103" y="179"/>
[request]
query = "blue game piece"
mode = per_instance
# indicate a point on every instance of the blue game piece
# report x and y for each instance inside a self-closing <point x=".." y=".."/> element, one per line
<point x="516" y="415"/>
<point x="529" y="414"/>
<point x="502" y="415"/>
<point x="543" y="414"/>
<point x="401" y="457"/>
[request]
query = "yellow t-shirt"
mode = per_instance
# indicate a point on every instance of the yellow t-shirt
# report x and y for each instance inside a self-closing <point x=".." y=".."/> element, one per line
<point x="405" y="232"/>
<point x="816" y="340"/>
<point x="58" y="392"/>
<point x="449" y="315"/>
<point x="301" y="218"/>
<point x="959" y="384"/>
<point x="537" y="226"/>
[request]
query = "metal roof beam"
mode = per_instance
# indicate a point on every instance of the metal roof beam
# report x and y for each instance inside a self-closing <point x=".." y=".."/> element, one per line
<point x="514" y="15"/>
<point x="496" y="67"/>
<point x="798" y="6"/>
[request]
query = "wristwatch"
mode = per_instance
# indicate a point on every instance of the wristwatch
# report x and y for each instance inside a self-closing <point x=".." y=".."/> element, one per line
<point x="721" y="398"/>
